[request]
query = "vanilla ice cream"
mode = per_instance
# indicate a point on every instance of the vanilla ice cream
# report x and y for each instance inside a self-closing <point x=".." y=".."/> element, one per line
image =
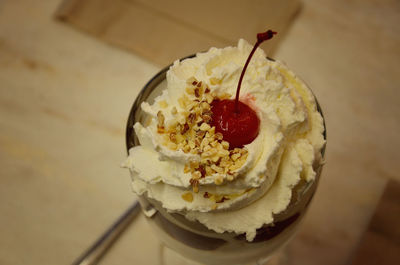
<point x="188" y="168"/>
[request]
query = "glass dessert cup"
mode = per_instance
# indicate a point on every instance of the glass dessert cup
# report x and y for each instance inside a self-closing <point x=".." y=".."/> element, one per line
<point x="195" y="241"/>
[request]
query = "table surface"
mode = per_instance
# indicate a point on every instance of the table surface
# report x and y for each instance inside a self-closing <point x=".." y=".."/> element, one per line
<point x="64" y="101"/>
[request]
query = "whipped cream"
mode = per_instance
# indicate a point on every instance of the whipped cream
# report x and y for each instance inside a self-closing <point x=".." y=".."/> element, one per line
<point x="289" y="143"/>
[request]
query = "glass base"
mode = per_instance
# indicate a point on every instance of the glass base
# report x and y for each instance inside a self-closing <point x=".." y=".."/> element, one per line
<point x="171" y="257"/>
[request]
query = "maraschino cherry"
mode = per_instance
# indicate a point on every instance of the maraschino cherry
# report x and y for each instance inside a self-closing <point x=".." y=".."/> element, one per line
<point x="237" y="122"/>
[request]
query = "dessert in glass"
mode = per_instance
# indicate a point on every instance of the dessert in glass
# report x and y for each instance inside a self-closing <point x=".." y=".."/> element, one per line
<point x="225" y="179"/>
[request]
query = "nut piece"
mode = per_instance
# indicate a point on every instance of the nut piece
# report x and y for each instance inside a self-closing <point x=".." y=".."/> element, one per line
<point x="196" y="175"/>
<point x="186" y="169"/>
<point x="185" y="128"/>
<point x="172" y="137"/>
<point x="222" y="199"/>
<point x="191" y="118"/>
<point x="218" y="180"/>
<point x="219" y="137"/>
<point x="217" y="169"/>
<point x="225" y="145"/>
<point x="197" y="92"/>
<point x="195" y="184"/>
<point x="188" y="196"/>
<point x="205" y="127"/>
<point x="160" y="122"/>
<point x="160" y="118"/>
<point x="235" y="156"/>
<point x="174" y="110"/>
<point x="206" y="118"/>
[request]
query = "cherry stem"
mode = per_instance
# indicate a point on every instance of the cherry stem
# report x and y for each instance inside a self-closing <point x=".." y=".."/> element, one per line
<point x="260" y="38"/>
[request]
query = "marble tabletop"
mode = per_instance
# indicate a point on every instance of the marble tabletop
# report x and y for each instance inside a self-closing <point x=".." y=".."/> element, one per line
<point x="64" y="101"/>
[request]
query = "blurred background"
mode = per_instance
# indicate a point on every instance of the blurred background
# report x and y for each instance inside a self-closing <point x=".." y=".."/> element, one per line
<point x="70" y="71"/>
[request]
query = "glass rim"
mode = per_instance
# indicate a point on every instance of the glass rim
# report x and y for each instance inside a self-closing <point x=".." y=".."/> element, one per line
<point x="151" y="85"/>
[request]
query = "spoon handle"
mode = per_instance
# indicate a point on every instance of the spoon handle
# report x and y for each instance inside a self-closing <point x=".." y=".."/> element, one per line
<point x="93" y="254"/>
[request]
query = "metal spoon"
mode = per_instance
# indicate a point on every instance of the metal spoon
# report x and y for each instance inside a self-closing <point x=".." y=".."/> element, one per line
<point x="94" y="253"/>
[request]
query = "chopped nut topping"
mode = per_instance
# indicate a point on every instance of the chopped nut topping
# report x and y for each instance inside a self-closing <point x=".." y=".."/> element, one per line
<point x="205" y="127"/>
<point x="235" y="156"/>
<point x="217" y="169"/>
<point x="187" y="196"/>
<point x="196" y="175"/>
<point x="191" y="118"/>
<point x="197" y="92"/>
<point x="160" y="118"/>
<point x="225" y="145"/>
<point x="186" y="149"/>
<point x="219" y="137"/>
<point x="206" y="147"/>
<point x="223" y="153"/>
<point x="186" y="169"/>
<point x="190" y="131"/>
<point x="195" y="185"/>
<point x="206" y="118"/>
<point x="218" y="180"/>
<point x="209" y="171"/>
<point x="222" y="199"/>
<point x="194" y="164"/>
<point x="191" y="144"/>
<point x="172" y="146"/>
<point x="204" y="105"/>
<point x="172" y="137"/>
<point x="202" y="171"/>
<point x="185" y="128"/>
